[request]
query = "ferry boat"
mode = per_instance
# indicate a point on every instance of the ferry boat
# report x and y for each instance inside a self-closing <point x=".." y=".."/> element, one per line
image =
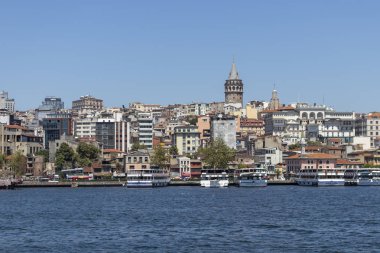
<point x="214" y="179"/>
<point x="321" y="177"/>
<point x="252" y="177"/>
<point x="152" y="177"/>
<point x="368" y="178"/>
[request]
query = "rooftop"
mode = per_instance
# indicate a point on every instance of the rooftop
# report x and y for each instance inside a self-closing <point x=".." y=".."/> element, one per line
<point x="313" y="156"/>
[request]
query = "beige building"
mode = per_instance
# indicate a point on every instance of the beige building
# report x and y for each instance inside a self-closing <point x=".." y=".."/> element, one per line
<point x="87" y="103"/>
<point x="136" y="160"/>
<point x="144" y="107"/>
<point x="252" y="126"/>
<point x="18" y="138"/>
<point x="251" y="112"/>
<point x="186" y="139"/>
<point x="35" y="166"/>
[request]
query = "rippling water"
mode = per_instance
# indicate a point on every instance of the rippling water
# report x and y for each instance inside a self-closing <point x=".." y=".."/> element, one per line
<point x="191" y="219"/>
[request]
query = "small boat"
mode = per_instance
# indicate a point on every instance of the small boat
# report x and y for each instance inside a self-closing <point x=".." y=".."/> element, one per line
<point x="214" y="179"/>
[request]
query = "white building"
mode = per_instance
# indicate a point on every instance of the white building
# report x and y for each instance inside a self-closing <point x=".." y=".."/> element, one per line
<point x="6" y="103"/>
<point x="145" y="122"/>
<point x="85" y="128"/>
<point x="268" y="156"/>
<point x="314" y="122"/>
<point x="184" y="165"/>
<point x="364" y="142"/>
<point x="369" y="126"/>
<point x="5" y="117"/>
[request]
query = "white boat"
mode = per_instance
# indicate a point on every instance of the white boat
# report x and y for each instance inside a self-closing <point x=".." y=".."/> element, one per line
<point x="321" y="177"/>
<point x="147" y="178"/>
<point x="214" y="180"/>
<point x="368" y="178"/>
<point x="252" y="177"/>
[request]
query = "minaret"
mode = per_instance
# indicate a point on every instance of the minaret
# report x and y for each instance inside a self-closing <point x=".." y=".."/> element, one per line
<point x="233" y="88"/>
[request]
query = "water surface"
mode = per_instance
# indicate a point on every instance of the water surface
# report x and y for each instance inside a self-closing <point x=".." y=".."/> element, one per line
<point x="191" y="219"/>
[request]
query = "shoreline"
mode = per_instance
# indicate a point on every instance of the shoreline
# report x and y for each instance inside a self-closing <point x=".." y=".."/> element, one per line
<point x="32" y="184"/>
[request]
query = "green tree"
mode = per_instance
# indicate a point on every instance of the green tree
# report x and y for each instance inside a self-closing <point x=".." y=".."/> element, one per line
<point x="44" y="153"/>
<point x="160" y="157"/>
<point x="2" y="161"/>
<point x="18" y="164"/>
<point x="367" y="165"/>
<point x="65" y="157"/>
<point x="314" y="143"/>
<point x="118" y="166"/>
<point x="136" y="146"/>
<point x="82" y="162"/>
<point x="173" y="150"/>
<point x="217" y="155"/>
<point x="193" y="120"/>
<point x="87" y="151"/>
<point x="294" y="146"/>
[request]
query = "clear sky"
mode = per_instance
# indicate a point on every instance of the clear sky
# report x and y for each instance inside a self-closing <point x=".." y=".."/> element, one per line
<point x="181" y="51"/>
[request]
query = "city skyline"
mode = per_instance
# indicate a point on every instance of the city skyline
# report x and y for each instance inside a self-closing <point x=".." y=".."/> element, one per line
<point x="171" y="52"/>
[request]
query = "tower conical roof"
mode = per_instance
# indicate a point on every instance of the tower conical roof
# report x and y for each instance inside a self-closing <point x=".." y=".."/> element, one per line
<point x="233" y="74"/>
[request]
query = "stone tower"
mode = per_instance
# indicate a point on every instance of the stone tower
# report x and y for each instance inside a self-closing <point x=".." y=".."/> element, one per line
<point x="233" y="88"/>
<point x="274" y="103"/>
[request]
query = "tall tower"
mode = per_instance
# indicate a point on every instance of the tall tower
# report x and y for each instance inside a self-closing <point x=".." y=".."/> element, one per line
<point x="233" y="88"/>
<point x="274" y="103"/>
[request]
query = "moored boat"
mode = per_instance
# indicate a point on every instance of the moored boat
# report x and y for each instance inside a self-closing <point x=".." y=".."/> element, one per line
<point x="368" y="178"/>
<point x="152" y="177"/>
<point x="214" y="179"/>
<point x="252" y="177"/>
<point x="321" y="177"/>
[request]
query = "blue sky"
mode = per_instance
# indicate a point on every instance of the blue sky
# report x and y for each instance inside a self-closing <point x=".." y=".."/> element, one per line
<point x="181" y="51"/>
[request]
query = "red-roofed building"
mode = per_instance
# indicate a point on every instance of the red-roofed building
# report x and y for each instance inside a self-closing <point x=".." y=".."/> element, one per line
<point x="347" y="164"/>
<point x="309" y="161"/>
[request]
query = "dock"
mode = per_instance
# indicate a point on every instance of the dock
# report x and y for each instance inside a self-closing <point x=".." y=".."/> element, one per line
<point x="7" y="184"/>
